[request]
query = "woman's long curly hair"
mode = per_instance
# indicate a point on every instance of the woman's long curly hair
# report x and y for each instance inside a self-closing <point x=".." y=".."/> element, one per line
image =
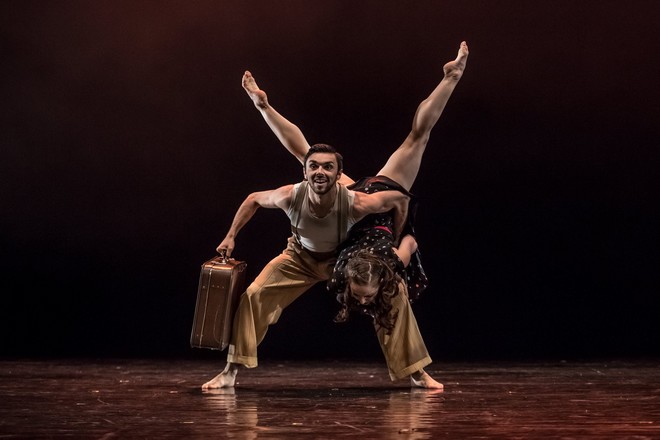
<point x="367" y="269"/>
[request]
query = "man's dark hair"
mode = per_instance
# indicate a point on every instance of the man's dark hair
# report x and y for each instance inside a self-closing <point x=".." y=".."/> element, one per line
<point x="324" y="148"/>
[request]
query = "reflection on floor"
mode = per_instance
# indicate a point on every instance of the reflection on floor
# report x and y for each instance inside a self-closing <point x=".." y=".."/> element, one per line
<point x="163" y="399"/>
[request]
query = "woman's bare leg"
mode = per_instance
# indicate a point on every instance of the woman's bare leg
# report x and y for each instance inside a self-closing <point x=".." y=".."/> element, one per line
<point x="403" y="165"/>
<point x="288" y="133"/>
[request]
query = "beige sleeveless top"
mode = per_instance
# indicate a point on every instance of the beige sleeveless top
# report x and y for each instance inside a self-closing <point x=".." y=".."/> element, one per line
<point x="319" y="234"/>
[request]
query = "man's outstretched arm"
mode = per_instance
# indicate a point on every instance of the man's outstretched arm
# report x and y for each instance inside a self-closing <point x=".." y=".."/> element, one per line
<point x="383" y="201"/>
<point x="276" y="198"/>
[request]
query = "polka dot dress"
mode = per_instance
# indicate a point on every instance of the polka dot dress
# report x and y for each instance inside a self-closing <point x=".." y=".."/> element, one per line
<point x="374" y="234"/>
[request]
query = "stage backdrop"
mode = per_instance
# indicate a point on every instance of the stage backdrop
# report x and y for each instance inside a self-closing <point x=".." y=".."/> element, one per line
<point x="127" y="144"/>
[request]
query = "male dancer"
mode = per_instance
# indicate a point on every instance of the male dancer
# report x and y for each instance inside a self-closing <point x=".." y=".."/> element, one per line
<point x="321" y="212"/>
<point x="308" y="259"/>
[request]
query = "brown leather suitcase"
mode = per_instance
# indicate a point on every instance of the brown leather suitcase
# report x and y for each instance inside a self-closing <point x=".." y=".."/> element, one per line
<point x="221" y="283"/>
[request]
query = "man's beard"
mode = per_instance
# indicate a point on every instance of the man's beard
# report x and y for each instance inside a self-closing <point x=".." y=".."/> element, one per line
<point x="329" y="182"/>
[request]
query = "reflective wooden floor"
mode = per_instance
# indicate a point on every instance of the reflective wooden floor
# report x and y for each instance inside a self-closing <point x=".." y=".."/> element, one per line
<point x="161" y="399"/>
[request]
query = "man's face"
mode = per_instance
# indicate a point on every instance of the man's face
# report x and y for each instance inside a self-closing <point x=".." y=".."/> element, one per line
<point x="322" y="172"/>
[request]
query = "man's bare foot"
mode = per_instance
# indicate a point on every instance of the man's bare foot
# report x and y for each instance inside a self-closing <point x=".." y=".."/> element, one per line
<point x="257" y="95"/>
<point x="226" y="379"/>
<point x="454" y="69"/>
<point x="421" y="379"/>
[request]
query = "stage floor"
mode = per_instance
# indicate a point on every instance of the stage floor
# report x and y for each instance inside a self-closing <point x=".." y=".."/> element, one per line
<point x="162" y="399"/>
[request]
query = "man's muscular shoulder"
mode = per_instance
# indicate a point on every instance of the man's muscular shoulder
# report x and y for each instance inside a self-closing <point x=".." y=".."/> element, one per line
<point x="275" y="198"/>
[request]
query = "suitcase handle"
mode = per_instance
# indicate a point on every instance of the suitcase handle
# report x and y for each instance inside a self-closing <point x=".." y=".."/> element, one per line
<point x="223" y="254"/>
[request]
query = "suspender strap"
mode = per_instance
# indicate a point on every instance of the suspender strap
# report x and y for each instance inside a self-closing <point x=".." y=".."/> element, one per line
<point x="342" y="212"/>
<point x="297" y="208"/>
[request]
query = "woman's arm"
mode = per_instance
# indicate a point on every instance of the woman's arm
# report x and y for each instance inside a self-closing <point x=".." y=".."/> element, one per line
<point x="405" y="250"/>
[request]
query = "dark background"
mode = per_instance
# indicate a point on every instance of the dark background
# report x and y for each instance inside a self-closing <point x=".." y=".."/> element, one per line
<point x="127" y="143"/>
